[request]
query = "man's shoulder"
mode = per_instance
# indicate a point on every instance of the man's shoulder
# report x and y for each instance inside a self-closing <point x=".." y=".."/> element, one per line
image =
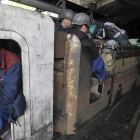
<point x="57" y="25"/>
<point x="78" y="33"/>
<point x="87" y="41"/>
<point x="11" y="58"/>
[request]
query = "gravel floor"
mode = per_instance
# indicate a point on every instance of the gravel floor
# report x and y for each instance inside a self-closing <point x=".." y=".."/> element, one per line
<point x="118" y="126"/>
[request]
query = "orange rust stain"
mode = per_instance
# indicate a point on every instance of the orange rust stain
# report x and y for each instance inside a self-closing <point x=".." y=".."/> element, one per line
<point x="119" y="78"/>
<point x="108" y="83"/>
<point x="123" y="76"/>
<point x="84" y="106"/>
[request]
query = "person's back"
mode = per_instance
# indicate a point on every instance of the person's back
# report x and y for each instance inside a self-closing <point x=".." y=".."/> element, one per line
<point x="81" y="23"/>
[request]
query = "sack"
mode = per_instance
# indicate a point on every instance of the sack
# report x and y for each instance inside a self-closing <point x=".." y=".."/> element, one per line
<point x="115" y="33"/>
<point x="97" y="31"/>
<point x="134" y="41"/>
<point x="110" y="43"/>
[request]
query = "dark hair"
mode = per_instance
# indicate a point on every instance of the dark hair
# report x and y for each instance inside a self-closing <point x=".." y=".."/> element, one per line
<point x="77" y="26"/>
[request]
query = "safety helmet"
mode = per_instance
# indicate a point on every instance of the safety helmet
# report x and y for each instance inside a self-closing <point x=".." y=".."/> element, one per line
<point x="81" y="18"/>
<point x="67" y="13"/>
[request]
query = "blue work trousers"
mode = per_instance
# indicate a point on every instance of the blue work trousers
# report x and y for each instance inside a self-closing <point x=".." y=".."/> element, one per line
<point x="4" y="115"/>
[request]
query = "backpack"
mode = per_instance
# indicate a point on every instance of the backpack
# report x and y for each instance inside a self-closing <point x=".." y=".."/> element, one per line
<point x="97" y="31"/>
<point x="115" y="33"/>
<point x="109" y="31"/>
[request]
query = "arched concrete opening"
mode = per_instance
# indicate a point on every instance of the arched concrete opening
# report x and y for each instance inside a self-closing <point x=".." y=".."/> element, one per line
<point x="5" y="37"/>
<point x="34" y="33"/>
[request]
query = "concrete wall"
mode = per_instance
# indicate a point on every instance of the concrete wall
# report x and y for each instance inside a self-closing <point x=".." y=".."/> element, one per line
<point x="86" y="3"/>
<point x="34" y="32"/>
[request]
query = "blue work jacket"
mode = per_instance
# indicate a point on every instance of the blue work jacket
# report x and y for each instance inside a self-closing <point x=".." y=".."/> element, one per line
<point x="11" y="92"/>
<point x="99" y="68"/>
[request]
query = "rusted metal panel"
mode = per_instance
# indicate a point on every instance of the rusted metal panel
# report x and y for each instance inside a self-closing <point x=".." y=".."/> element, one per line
<point x="124" y="82"/>
<point x="71" y="80"/>
<point x="114" y="66"/>
<point x="127" y="54"/>
<point x="78" y="84"/>
<point x="58" y="91"/>
<point x="60" y="118"/>
<point x="60" y="123"/>
<point x="59" y="64"/>
<point x="109" y="62"/>
<point x="126" y="63"/>
<point x="84" y="85"/>
<point x="59" y="46"/>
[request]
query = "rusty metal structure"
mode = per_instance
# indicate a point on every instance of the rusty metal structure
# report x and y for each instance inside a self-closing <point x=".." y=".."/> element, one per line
<point x="73" y="81"/>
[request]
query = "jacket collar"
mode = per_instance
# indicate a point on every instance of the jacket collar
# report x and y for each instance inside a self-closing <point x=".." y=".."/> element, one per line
<point x="57" y="25"/>
<point x="3" y="57"/>
<point x="78" y="33"/>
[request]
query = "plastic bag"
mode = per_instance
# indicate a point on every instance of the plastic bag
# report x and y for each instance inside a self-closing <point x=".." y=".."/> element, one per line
<point x="134" y="41"/>
<point x="110" y="43"/>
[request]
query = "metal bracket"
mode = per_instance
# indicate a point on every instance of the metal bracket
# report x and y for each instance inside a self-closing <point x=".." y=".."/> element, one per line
<point x="63" y="4"/>
<point x="58" y="2"/>
<point x="92" y="7"/>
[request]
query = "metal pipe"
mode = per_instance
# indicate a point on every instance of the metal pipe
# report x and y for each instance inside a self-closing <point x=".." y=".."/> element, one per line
<point x="58" y="2"/>
<point x="40" y="5"/>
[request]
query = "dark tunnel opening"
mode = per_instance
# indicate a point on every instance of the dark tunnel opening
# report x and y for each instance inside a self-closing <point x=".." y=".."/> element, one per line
<point x="124" y="13"/>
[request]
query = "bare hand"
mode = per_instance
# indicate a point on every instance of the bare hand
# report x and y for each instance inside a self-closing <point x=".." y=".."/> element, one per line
<point x="89" y="35"/>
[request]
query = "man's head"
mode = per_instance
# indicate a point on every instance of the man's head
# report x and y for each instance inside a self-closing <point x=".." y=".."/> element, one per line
<point x="82" y="21"/>
<point x="66" y="18"/>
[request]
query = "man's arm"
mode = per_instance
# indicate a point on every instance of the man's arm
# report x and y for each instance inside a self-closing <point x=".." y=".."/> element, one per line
<point x="93" y="68"/>
<point x="12" y="84"/>
<point x="94" y="65"/>
<point x="94" y="51"/>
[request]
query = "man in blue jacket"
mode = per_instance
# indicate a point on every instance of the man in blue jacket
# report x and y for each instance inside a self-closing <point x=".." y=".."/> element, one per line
<point x="64" y="23"/>
<point x="12" y="100"/>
